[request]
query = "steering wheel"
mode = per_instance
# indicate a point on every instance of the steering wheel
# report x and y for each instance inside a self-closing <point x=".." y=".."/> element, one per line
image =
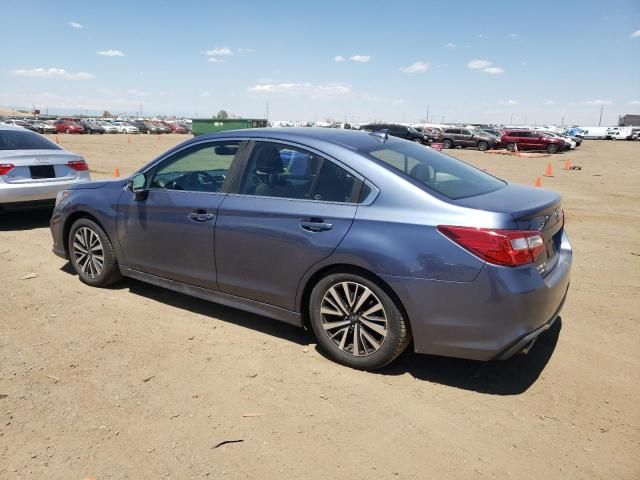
<point x="198" y="180"/>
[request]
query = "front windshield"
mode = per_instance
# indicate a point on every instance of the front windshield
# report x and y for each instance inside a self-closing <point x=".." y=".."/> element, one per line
<point x="434" y="171"/>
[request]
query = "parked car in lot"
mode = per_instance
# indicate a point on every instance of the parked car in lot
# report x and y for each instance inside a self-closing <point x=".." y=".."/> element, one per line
<point x="140" y="125"/>
<point x="125" y="127"/>
<point x="371" y="240"/>
<point x="531" y="140"/>
<point x="108" y="127"/>
<point x="68" y="126"/>
<point x="569" y="144"/>
<point x="91" y="127"/>
<point x="400" y="131"/>
<point x="33" y="169"/>
<point x="176" y="128"/>
<point x="20" y="123"/>
<point x="42" y="127"/>
<point x="465" y="137"/>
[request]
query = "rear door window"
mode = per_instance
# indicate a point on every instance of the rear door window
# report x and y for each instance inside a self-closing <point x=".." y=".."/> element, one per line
<point x="276" y="170"/>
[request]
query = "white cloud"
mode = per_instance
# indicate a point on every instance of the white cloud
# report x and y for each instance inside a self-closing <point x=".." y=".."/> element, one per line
<point x="76" y="25"/>
<point x="219" y="51"/>
<point x="479" y="64"/>
<point x="205" y="94"/>
<point x="360" y="58"/>
<point x="480" y="35"/>
<point x="484" y="65"/>
<point x="52" y="73"/>
<point x="635" y="34"/>
<point x="513" y="35"/>
<point x="417" y="67"/>
<point x="399" y="101"/>
<point x="598" y="102"/>
<point x="634" y="102"/>
<point x="215" y="60"/>
<point x="110" y="53"/>
<point x="450" y="45"/>
<point x="303" y="89"/>
<point x="508" y="102"/>
<point x="246" y="50"/>
<point x="549" y="102"/>
<point x="339" y="58"/>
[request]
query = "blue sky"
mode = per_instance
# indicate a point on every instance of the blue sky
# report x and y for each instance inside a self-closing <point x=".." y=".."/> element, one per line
<point x="360" y="60"/>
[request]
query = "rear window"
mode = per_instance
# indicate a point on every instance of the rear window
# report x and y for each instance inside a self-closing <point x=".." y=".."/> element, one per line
<point x="14" y="140"/>
<point x="435" y="171"/>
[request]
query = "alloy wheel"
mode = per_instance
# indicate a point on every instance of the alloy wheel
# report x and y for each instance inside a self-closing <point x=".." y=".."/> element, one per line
<point x="88" y="252"/>
<point x="354" y="318"/>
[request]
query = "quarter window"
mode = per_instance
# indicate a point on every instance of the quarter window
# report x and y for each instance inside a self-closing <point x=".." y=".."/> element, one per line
<point x="201" y="168"/>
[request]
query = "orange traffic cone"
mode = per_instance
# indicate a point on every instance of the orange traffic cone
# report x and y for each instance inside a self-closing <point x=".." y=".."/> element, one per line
<point x="116" y="172"/>
<point x="515" y="148"/>
<point x="549" y="172"/>
<point x="567" y="165"/>
<point x="57" y="141"/>
<point x="538" y="182"/>
<point x="129" y="139"/>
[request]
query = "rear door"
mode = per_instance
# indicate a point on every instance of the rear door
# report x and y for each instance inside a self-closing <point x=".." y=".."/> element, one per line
<point x="464" y="138"/>
<point x="170" y="233"/>
<point x="291" y="208"/>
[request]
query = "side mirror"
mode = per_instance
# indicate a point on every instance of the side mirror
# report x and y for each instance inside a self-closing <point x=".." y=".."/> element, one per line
<point x="138" y="185"/>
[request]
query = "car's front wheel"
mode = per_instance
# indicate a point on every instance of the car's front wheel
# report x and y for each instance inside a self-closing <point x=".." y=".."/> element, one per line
<point x="356" y="322"/>
<point x="552" y="148"/>
<point x="446" y="143"/>
<point x="482" y="146"/>
<point x="92" y="254"/>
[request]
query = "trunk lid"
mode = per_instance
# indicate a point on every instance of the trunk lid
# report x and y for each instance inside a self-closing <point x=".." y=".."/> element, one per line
<point x="532" y="209"/>
<point x="39" y="166"/>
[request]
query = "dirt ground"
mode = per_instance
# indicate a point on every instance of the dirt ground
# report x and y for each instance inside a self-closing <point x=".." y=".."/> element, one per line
<point x="139" y="382"/>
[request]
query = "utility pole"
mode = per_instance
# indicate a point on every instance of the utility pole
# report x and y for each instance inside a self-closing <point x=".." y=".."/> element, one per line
<point x="402" y="117"/>
<point x="427" y="113"/>
<point x="562" y="122"/>
<point x="600" y="121"/>
<point x="267" y="111"/>
<point x="511" y="121"/>
<point x="141" y="109"/>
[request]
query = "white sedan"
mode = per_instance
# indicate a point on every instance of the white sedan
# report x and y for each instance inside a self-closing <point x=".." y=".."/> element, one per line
<point x="108" y="127"/>
<point x="124" y="127"/>
<point x="33" y="169"/>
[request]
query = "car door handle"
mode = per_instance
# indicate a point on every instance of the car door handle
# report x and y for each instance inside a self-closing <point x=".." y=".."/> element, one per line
<point x="315" y="225"/>
<point x="201" y="215"/>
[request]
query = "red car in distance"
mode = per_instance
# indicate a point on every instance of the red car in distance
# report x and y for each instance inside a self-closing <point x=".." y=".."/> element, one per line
<point x="68" y="126"/>
<point x="531" y="140"/>
<point x="176" y="128"/>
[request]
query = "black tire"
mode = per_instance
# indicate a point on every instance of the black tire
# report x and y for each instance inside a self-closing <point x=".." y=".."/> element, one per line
<point x="110" y="272"/>
<point x="417" y="140"/>
<point x="482" y="146"/>
<point x="511" y="147"/>
<point x="552" y="148"/>
<point x="395" y="341"/>
<point x="447" y="143"/>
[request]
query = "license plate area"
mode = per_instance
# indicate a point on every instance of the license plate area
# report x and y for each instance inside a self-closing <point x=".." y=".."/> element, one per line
<point x="39" y="172"/>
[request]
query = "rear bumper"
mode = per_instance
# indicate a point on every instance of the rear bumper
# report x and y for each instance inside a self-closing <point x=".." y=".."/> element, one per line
<point x="35" y="192"/>
<point x="494" y="316"/>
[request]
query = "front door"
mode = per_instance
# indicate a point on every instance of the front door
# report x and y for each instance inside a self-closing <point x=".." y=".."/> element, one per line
<point x="291" y="210"/>
<point x="170" y="233"/>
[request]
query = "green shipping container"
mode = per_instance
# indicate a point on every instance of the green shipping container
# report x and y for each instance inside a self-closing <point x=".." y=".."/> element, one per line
<point x="201" y="126"/>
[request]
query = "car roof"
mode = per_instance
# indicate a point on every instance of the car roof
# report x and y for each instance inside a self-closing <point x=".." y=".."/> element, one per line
<point x="312" y="136"/>
<point x="6" y="126"/>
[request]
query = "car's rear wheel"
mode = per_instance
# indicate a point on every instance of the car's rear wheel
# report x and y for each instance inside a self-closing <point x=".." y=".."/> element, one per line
<point x="92" y="255"/>
<point x="511" y="147"/>
<point x="356" y="322"/>
<point x="482" y="146"/>
<point x="446" y="143"/>
<point x="552" y="148"/>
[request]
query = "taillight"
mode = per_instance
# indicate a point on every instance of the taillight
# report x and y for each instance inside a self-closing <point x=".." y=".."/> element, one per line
<point x="5" y="168"/>
<point x="509" y="248"/>
<point x="78" y="165"/>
